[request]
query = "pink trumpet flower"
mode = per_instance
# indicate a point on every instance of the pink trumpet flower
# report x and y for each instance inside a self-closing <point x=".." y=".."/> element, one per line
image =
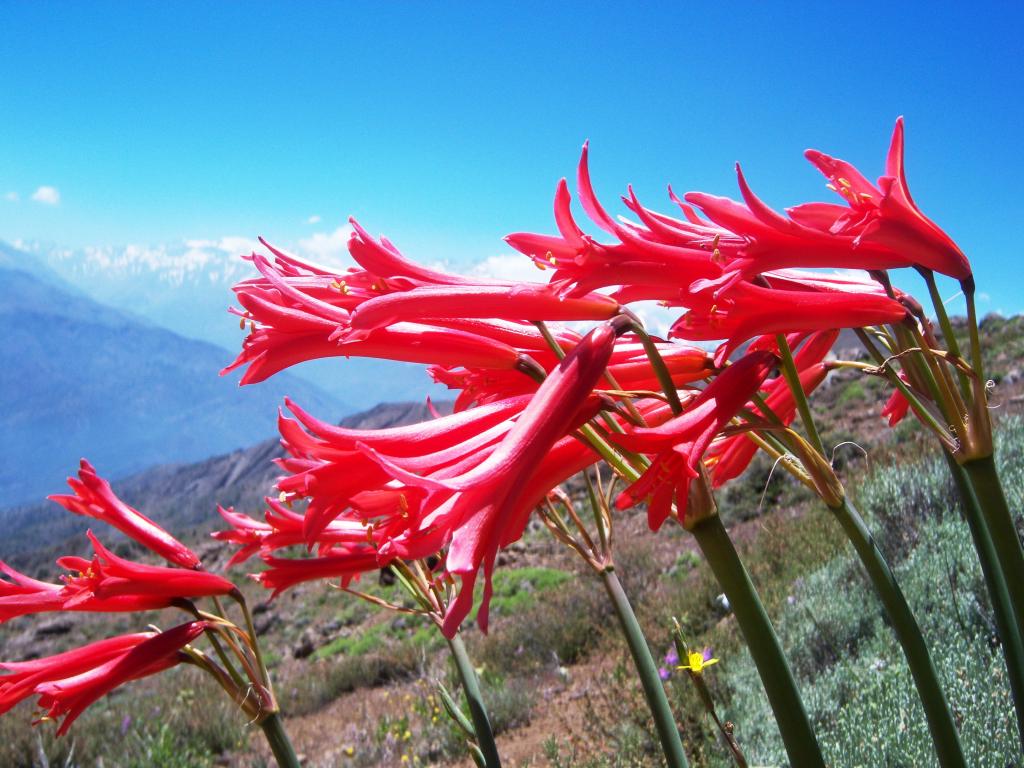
<point x="679" y="444"/>
<point x="106" y="575"/>
<point x="94" y="498"/>
<point x="68" y="697"/>
<point x="730" y="456"/>
<point x="883" y="216"/>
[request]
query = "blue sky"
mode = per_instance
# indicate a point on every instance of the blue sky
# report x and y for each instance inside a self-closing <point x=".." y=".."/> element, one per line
<point x="447" y="126"/>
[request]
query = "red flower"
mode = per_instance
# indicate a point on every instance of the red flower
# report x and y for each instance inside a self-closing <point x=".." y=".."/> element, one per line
<point x="881" y="229"/>
<point x="473" y="509"/>
<point x="731" y="455"/>
<point x="26" y="675"/>
<point x="94" y="497"/>
<point x="297" y="312"/>
<point x="897" y="406"/>
<point x="333" y="466"/>
<point x="771" y="241"/>
<point x="429" y="296"/>
<point x="346" y="565"/>
<point x="106" y="575"/>
<point x="23" y="596"/>
<point x="68" y="697"/>
<point x="746" y="310"/>
<point x="679" y="444"/>
<point x="666" y="252"/>
<point x="883" y="216"/>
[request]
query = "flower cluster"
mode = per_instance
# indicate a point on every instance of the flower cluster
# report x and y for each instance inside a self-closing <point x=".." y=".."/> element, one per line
<point x="460" y="487"/>
<point x="538" y="401"/>
<point x="69" y="682"/>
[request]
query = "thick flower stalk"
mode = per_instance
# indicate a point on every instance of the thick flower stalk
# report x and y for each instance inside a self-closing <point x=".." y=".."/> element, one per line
<point x="937" y="711"/>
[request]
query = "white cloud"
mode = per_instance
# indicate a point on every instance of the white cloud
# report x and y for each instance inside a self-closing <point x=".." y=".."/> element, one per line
<point x="329" y="249"/>
<point x="46" y="195"/>
<point x="11" y="197"/>
<point x="508" y="266"/>
<point x="657" y="319"/>
<point x="314" y="219"/>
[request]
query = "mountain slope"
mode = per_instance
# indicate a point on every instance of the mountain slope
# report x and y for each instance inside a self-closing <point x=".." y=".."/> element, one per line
<point x="80" y="379"/>
<point x="187" y="289"/>
<point x="181" y="497"/>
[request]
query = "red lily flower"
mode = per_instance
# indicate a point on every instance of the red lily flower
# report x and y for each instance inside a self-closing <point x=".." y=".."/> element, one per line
<point x="297" y="312"/>
<point x="897" y="406"/>
<point x="730" y="456"/>
<point x="669" y="252"/>
<point x="95" y="498"/>
<point x="427" y="295"/>
<point x="629" y="366"/>
<point x="883" y="216"/>
<point x="473" y="508"/>
<point x="24" y="676"/>
<point x="69" y="697"/>
<point x="679" y="444"/>
<point x="747" y="310"/>
<point x="23" y="596"/>
<point x="107" y="576"/>
<point x="332" y="466"/>
<point x="772" y="241"/>
<point x="347" y="565"/>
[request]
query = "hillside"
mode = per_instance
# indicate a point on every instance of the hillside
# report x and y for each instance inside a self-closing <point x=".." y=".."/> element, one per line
<point x="81" y="379"/>
<point x="354" y="680"/>
<point x="181" y="497"/>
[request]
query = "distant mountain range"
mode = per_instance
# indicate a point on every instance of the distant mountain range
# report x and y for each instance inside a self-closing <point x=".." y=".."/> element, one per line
<point x="81" y="379"/>
<point x="181" y="497"/>
<point x="186" y="288"/>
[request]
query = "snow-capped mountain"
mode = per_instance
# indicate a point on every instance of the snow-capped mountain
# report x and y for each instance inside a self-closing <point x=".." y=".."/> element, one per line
<point x="185" y="287"/>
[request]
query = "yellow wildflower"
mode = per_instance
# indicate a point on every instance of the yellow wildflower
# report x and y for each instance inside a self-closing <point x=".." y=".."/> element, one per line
<point x="697" y="660"/>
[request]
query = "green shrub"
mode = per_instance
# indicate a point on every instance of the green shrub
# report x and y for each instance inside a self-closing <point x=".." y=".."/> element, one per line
<point x="850" y="669"/>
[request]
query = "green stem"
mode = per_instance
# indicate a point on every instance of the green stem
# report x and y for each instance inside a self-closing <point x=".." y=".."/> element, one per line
<point x="654" y="690"/>
<point x="280" y="744"/>
<point x="984" y="481"/>
<point x="477" y="710"/>
<point x="793" y="379"/>
<point x="660" y="369"/>
<point x="947" y="327"/>
<point x="251" y="627"/>
<point x="1002" y="607"/>
<point x="941" y="724"/>
<point x="790" y="715"/>
<point x="972" y="326"/>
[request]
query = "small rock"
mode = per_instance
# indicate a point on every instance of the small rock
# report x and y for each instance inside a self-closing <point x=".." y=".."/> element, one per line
<point x="264" y="623"/>
<point x="305" y="647"/>
<point x="54" y="628"/>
